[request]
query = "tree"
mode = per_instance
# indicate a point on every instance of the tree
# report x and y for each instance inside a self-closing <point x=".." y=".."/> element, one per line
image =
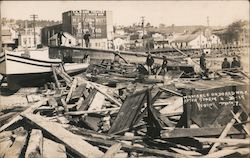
<point x="148" y="24"/>
<point x="234" y="31"/>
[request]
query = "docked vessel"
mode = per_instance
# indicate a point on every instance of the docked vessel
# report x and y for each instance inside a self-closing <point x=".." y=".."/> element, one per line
<point x="32" y="67"/>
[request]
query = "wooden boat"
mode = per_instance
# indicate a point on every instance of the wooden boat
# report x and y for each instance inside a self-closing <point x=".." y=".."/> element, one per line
<point x="28" y="68"/>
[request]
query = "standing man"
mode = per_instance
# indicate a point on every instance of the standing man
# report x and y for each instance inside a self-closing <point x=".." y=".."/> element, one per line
<point x="203" y="67"/>
<point x="203" y="62"/>
<point x="149" y="62"/>
<point x="235" y="63"/>
<point x="59" y="37"/>
<point x="86" y="38"/>
<point x="163" y="66"/>
<point x="225" y="64"/>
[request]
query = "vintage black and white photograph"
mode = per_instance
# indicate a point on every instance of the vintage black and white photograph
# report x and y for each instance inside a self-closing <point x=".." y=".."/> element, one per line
<point x="124" y="79"/>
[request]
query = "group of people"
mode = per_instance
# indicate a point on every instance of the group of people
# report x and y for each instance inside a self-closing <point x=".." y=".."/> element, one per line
<point x="234" y="64"/>
<point x="86" y="38"/>
<point x="150" y="62"/>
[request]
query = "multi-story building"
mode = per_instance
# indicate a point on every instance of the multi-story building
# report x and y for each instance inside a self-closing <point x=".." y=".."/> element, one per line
<point x="28" y="39"/>
<point x="98" y="23"/>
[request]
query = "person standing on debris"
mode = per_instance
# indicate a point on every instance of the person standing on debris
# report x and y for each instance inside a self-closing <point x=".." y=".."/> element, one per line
<point x="59" y="38"/>
<point x="163" y="66"/>
<point x="235" y="63"/>
<point x="203" y="62"/>
<point x="149" y="62"/>
<point x="86" y="38"/>
<point x="225" y="64"/>
<point x="204" y="70"/>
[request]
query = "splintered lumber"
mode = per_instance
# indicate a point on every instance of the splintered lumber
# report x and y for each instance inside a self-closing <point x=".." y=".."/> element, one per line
<point x="185" y="152"/>
<point x="91" y="111"/>
<point x="171" y="91"/>
<point x="243" y="125"/>
<point x="72" y="88"/>
<point x="53" y="149"/>
<point x="225" y="131"/>
<point x="5" y="134"/>
<point x="29" y="110"/>
<point x="55" y="77"/>
<point x="15" y="150"/>
<point x="112" y="150"/>
<point x="129" y="148"/>
<point x="35" y="146"/>
<point x="225" y="140"/>
<point x="4" y="146"/>
<point x="105" y="94"/>
<point x="225" y="152"/>
<point x="130" y="113"/>
<point x="70" y="140"/>
<point x="191" y="132"/>
<point x="97" y="102"/>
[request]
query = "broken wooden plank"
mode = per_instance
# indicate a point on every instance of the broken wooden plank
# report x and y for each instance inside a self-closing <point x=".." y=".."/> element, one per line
<point x="98" y="101"/>
<point x="191" y="132"/>
<point x="55" y="76"/>
<point x="29" y="110"/>
<point x="15" y="150"/>
<point x="35" y="145"/>
<point x="105" y="94"/>
<point x="4" y="146"/>
<point x="112" y="150"/>
<point x="130" y="112"/>
<point x="92" y="111"/>
<point x="129" y="148"/>
<point x="70" y="140"/>
<point x="172" y="91"/>
<point x="185" y="152"/>
<point x="225" y="152"/>
<point x="224" y="140"/>
<point x="88" y="100"/>
<point x="239" y="121"/>
<point x="72" y="88"/>
<point x="225" y="131"/>
<point x="53" y="149"/>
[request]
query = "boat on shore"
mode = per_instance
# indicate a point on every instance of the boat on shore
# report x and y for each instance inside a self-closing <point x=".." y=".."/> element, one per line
<point x="24" y="68"/>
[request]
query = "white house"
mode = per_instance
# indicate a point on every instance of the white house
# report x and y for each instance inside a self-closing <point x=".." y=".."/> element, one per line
<point x="27" y="37"/>
<point x="194" y="41"/>
<point x="214" y="40"/>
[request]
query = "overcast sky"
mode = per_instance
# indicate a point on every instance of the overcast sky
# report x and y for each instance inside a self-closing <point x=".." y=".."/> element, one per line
<point x="129" y="12"/>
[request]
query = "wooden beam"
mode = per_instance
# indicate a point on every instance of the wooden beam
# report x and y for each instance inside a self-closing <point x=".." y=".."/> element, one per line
<point x="72" y="88"/>
<point x="239" y="121"/>
<point x="225" y="140"/>
<point x="55" y="77"/>
<point x="35" y="145"/>
<point x="105" y="94"/>
<point x="4" y="146"/>
<point x="53" y="149"/>
<point x="70" y="140"/>
<point x="91" y="111"/>
<point x="29" y="110"/>
<point x="112" y="150"/>
<point x="171" y="91"/>
<point x="129" y="148"/>
<point x="225" y="131"/>
<point x="191" y="132"/>
<point x="225" y="152"/>
<point x="15" y="150"/>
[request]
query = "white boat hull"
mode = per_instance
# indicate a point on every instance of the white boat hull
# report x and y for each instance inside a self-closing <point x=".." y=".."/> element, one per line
<point x="21" y="70"/>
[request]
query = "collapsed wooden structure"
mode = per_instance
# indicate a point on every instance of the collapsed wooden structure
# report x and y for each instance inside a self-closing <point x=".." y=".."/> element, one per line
<point x="80" y="118"/>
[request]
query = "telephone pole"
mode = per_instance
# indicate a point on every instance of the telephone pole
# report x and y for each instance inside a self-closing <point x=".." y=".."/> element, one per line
<point x="34" y="17"/>
<point x="142" y="23"/>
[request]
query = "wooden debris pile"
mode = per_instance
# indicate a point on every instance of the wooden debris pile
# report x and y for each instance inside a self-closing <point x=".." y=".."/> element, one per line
<point x="79" y="118"/>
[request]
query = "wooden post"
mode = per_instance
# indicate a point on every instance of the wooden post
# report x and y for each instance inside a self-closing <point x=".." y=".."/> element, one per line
<point x="55" y="77"/>
<point x="112" y="150"/>
<point x="226" y="130"/>
<point x="72" y="88"/>
<point x="35" y="146"/>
